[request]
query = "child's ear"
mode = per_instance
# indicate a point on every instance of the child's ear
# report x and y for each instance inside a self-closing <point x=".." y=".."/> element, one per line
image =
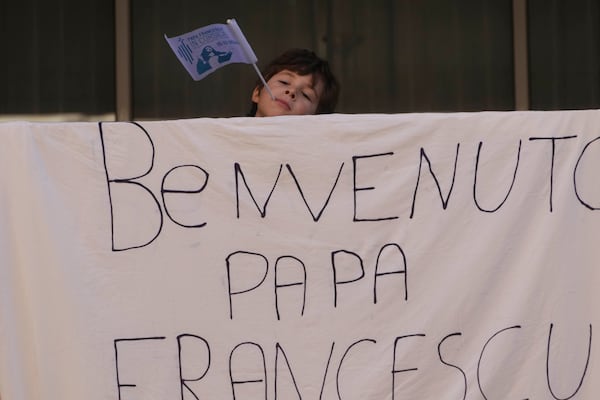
<point x="255" y="94"/>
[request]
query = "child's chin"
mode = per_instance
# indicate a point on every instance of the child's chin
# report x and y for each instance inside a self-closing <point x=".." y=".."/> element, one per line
<point x="279" y="113"/>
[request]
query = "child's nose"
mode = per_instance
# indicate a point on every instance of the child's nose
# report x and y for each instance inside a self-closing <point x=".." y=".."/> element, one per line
<point x="292" y="94"/>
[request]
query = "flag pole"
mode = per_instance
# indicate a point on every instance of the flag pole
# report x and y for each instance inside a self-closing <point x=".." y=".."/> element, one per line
<point x="248" y="50"/>
<point x="263" y="81"/>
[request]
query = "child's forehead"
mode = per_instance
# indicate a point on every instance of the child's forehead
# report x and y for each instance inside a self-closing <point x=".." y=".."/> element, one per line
<point x="290" y="72"/>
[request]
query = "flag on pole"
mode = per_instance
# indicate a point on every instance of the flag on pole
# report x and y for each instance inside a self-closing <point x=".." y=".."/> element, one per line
<point x="209" y="48"/>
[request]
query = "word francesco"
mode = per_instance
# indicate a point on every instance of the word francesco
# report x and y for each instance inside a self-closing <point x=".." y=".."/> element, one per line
<point x="247" y="368"/>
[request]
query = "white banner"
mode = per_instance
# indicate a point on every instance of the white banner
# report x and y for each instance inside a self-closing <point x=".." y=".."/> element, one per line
<point x="418" y="256"/>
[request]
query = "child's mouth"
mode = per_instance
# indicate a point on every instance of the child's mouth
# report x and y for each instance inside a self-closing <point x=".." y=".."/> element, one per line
<point x="284" y="104"/>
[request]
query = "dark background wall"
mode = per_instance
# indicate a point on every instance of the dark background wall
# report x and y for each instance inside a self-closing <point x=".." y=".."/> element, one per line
<point x="391" y="56"/>
<point x="57" y="56"/>
<point x="564" y="54"/>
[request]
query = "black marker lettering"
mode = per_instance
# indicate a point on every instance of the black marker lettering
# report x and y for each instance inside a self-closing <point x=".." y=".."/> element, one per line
<point x="263" y="378"/>
<point x="243" y="255"/>
<point x="238" y="173"/>
<point x="402" y="269"/>
<point x="481" y="356"/>
<point x="164" y="190"/>
<point x="464" y="376"/>
<point x="437" y="183"/>
<point x="183" y="381"/>
<point x="553" y="141"/>
<point x="279" y="349"/>
<point x="337" y="376"/>
<point x="397" y="371"/>
<point x="335" y="273"/>
<point x="289" y="284"/>
<point x="326" y="369"/>
<point x="581" y="200"/>
<point x="475" y="180"/>
<point x="357" y="189"/>
<point x="115" y="343"/>
<point x="112" y="181"/>
<point x="587" y="362"/>
<point x="318" y="216"/>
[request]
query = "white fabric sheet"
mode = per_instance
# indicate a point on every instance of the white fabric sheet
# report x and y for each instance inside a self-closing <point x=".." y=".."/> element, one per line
<point x="417" y="256"/>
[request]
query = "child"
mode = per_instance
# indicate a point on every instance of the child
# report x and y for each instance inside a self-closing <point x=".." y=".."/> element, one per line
<point x="301" y="83"/>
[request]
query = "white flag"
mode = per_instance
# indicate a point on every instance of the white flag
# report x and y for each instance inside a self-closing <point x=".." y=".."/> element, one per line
<point x="209" y="48"/>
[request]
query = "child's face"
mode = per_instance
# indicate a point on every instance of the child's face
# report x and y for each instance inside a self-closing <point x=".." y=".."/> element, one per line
<point x="294" y="95"/>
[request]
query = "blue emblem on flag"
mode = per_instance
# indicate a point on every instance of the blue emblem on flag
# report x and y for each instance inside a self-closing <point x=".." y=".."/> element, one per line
<point x="208" y="56"/>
